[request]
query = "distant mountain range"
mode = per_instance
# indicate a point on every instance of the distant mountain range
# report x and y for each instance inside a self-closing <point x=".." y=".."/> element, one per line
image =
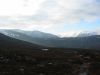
<point x="86" y="34"/>
<point x="83" y="40"/>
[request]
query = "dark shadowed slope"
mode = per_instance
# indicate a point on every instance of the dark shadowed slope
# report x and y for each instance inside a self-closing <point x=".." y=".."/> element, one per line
<point x="11" y="43"/>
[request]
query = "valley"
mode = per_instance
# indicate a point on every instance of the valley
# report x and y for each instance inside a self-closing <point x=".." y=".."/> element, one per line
<point x="18" y="57"/>
<point x="51" y="62"/>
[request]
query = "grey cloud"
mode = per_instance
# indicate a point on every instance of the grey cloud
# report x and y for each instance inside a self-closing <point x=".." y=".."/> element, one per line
<point x="56" y="12"/>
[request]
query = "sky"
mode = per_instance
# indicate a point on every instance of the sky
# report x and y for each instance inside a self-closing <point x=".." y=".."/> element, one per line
<point x="61" y="17"/>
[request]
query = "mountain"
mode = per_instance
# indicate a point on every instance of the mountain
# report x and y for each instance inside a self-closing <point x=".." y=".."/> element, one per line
<point x="89" y="42"/>
<point x="36" y="37"/>
<point x="34" y="34"/>
<point x="85" y="34"/>
<point x="12" y="43"/>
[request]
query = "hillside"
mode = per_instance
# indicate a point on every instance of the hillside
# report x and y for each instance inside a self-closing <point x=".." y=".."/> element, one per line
<point x="11" y="43"/>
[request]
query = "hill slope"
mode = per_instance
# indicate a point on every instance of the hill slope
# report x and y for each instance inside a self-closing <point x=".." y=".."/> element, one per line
<point x="11" y="43"/>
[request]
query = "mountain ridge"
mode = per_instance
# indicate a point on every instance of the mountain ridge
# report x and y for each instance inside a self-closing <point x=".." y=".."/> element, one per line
<point x="91" y="41"/>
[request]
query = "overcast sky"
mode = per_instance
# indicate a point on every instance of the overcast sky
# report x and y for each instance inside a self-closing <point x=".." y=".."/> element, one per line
<point x="64" y="17"/>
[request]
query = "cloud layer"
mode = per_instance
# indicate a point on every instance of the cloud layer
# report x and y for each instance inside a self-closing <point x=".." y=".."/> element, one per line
<point x="46" y="14"/>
